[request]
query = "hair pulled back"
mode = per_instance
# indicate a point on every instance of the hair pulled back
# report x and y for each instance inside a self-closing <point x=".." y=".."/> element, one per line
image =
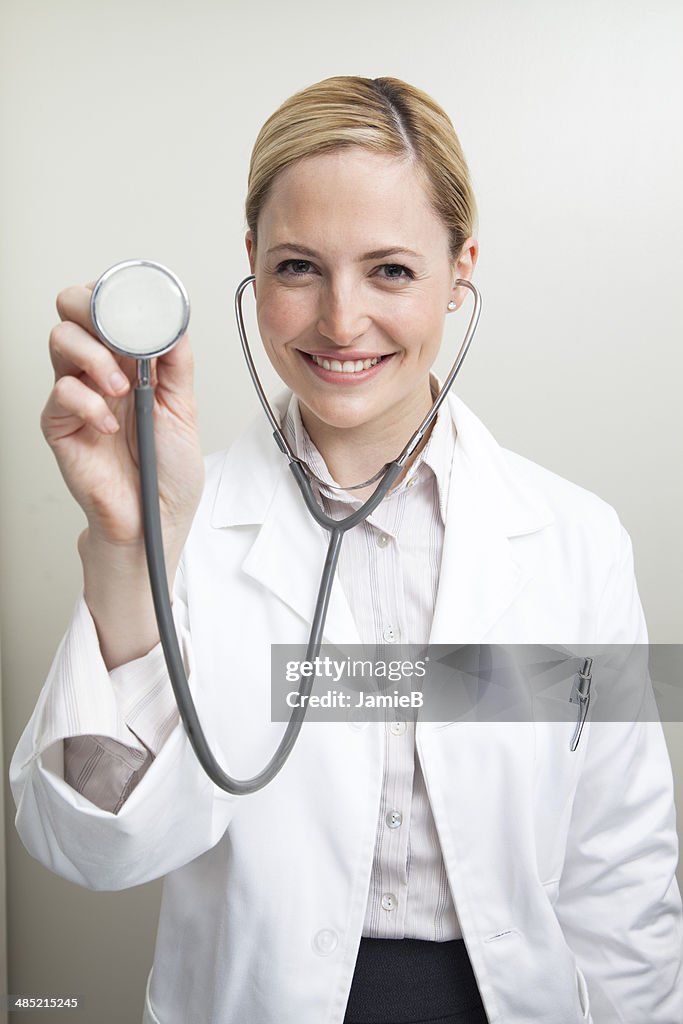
<point x="384" y="115"/>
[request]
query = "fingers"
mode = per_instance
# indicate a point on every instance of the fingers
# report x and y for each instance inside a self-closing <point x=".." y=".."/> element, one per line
<point x="74" y="304"/>
<point x="175" y="370"/>
<point x="75" y="352"/>
<point x="71" y="405"/>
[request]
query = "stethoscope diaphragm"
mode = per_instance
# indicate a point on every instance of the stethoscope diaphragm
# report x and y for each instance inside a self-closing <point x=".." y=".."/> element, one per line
<point x="140" y="309"/>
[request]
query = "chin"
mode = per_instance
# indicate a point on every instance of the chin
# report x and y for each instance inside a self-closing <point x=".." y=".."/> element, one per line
<point x="335" y="411"/>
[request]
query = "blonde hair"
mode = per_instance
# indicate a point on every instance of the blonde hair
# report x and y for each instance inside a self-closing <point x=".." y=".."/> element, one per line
<point x="384" y="115"/>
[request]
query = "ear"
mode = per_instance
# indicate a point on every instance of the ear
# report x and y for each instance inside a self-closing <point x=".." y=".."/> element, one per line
<point x="251" y="250"/>
<point x="463" y="267"/>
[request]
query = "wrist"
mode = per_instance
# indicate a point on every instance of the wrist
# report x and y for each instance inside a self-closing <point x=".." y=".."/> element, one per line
<point x="117" y="592"/>
<point x="99" y="553"/>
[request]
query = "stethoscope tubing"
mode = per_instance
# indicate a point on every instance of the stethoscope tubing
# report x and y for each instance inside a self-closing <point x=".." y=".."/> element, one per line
<point x="156" y="563"/>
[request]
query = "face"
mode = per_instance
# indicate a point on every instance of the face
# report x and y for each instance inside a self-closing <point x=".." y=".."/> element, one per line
<point x="353" y="279"/>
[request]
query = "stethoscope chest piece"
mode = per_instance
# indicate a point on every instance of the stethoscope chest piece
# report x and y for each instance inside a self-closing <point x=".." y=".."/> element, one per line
<point x="139" y="309"/>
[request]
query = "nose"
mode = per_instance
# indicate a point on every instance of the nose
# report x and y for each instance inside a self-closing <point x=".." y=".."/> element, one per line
<point x="342" y="317"/>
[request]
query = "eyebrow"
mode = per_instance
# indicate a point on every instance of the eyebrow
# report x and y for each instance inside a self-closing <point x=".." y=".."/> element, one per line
<point x="376" y="254"/>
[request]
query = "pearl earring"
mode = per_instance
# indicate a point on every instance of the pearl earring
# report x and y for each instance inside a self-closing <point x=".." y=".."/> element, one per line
<point x="451" y="306"/>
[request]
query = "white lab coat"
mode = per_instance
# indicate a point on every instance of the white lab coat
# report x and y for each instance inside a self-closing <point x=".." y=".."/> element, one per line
<point x="561" y="864"/>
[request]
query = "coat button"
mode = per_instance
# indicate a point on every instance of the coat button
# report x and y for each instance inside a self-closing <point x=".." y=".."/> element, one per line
<point x="325" y="941"/>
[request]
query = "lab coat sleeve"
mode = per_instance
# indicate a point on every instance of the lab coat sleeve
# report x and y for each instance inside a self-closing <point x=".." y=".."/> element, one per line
<point x="174" y="814"/>
<point x="107" y="769"/>
<point x="619" y="904"/>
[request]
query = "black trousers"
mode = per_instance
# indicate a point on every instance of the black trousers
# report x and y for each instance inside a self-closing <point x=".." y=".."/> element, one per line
<point x="412" y="981"/>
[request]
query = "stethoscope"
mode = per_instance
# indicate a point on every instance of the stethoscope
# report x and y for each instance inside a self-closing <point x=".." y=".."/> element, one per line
<point x="141" y="310"/>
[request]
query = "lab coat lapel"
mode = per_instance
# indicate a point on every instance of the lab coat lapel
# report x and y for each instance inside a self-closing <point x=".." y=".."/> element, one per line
<point x="256" y="487"/>
<point x="288" y="557"/>
<point x="481" y="574"/>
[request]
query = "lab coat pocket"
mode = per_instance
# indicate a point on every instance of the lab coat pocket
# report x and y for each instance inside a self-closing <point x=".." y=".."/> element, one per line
<point x="557" y="771"/>
<point x="558" y="711"/>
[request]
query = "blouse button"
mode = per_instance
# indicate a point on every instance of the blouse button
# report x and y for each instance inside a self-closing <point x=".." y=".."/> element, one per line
<point x="382" y="540"/>
<point x="390" y="635"/>
<point x="325" y="941"/>
<point x="394" y="819"/>
<point x="397" y="728"/>
<point x="389" y="901"/>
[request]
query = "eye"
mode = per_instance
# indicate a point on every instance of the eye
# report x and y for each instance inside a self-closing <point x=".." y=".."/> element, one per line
<point x="395" y="272"/>
<point x="298" y="268"/>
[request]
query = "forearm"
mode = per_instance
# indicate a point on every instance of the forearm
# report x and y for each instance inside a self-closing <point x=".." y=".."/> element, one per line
<point x="118" y="595"/>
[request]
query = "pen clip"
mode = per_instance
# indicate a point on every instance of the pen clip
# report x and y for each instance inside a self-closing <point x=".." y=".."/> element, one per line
<point x="581" y="695"/>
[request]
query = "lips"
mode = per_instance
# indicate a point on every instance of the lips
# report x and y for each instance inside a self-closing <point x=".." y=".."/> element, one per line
<point x="356" y="366"/>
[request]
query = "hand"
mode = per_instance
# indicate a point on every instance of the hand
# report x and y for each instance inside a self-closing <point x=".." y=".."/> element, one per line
<point x="89" y="423"/>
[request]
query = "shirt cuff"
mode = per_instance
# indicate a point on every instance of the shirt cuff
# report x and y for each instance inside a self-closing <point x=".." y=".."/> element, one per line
<point x="103" y="770"/>
<point x="81" y="697"/>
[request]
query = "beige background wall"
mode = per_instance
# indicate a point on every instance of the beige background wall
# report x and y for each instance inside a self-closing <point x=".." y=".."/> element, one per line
<point x="126" y="129"/>
<point x="3" y="896"/>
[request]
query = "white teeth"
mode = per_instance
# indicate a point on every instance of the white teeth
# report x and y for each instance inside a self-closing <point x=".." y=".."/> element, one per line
<point x="349" y="366"/>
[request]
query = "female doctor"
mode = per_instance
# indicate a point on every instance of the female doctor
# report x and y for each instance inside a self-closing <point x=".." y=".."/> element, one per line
<point x="392" y="873"/>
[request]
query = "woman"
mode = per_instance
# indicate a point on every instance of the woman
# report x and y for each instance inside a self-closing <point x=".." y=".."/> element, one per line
<point x="461" y="872"/>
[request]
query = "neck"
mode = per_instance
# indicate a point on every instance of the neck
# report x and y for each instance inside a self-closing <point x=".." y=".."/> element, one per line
<point x="354" y="454"/>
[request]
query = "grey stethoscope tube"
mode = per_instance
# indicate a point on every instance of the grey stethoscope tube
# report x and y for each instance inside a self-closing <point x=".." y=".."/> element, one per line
<point x="144" y="409"/>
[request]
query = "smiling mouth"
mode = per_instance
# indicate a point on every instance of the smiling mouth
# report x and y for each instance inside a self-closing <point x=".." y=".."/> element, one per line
<point x="348" y="366"/>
